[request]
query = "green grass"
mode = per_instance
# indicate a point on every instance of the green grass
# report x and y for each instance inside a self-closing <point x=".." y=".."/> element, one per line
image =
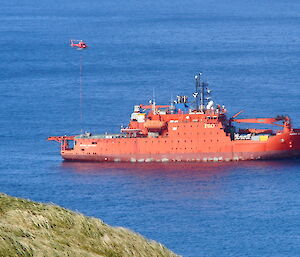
<point x="33" y="229"/>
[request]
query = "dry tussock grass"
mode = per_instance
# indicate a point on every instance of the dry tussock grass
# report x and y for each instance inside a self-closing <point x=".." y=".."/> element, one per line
<point x="32" y="229"/>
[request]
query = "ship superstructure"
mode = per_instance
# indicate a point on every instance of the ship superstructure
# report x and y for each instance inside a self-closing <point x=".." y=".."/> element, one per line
<point x="185" y="131"/>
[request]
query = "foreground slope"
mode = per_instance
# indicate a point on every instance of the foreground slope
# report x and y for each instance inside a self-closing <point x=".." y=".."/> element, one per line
<point x="33" y="229"/>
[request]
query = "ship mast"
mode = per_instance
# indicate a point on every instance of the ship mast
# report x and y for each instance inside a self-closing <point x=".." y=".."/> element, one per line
<point x="199" y="94"/>
<point x="202" y="95"/>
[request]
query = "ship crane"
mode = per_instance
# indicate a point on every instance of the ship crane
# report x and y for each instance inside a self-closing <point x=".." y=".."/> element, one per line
<point x="271" y="121"/>
<point x="287" y="126"/>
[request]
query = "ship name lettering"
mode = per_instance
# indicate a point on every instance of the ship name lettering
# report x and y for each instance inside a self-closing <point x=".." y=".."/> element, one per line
<point x="209" y="125"/>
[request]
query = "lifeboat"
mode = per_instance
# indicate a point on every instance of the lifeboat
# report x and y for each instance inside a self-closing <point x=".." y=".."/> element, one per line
<point x="154" y="125"/>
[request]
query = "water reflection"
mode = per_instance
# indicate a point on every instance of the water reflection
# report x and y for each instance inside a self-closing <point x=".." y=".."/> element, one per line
<point x="144" y="168"/>
<point x="178" y="169"/>
<point x="156" y="190"/>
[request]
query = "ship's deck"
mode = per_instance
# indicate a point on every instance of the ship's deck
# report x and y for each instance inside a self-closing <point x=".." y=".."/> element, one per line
<point x="100" y="136"/>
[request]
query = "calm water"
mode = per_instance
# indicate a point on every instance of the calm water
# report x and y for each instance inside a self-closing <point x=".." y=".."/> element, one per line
<point x="249" y="52"/>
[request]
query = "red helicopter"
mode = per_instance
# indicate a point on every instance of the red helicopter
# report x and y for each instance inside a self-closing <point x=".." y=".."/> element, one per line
<point x="78" y="43"/>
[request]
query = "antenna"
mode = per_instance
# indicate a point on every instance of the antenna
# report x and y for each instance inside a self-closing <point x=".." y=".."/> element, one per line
<point x="153" y="101"/>
<point x="80" y="45"/>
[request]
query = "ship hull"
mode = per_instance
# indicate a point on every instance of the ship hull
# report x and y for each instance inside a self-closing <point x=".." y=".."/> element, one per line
<point x="186" y="157"/>
<point x="281" y="146"/>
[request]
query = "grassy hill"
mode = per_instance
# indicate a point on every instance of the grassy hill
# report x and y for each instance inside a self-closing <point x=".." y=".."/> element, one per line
<point x="33" y="229"/>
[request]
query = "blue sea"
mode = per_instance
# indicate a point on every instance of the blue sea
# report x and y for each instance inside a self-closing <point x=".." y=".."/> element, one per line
<point x="249" y="52"/>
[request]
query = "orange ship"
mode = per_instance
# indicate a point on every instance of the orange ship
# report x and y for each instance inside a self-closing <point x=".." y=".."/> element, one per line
<point x="185" y="131"/>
